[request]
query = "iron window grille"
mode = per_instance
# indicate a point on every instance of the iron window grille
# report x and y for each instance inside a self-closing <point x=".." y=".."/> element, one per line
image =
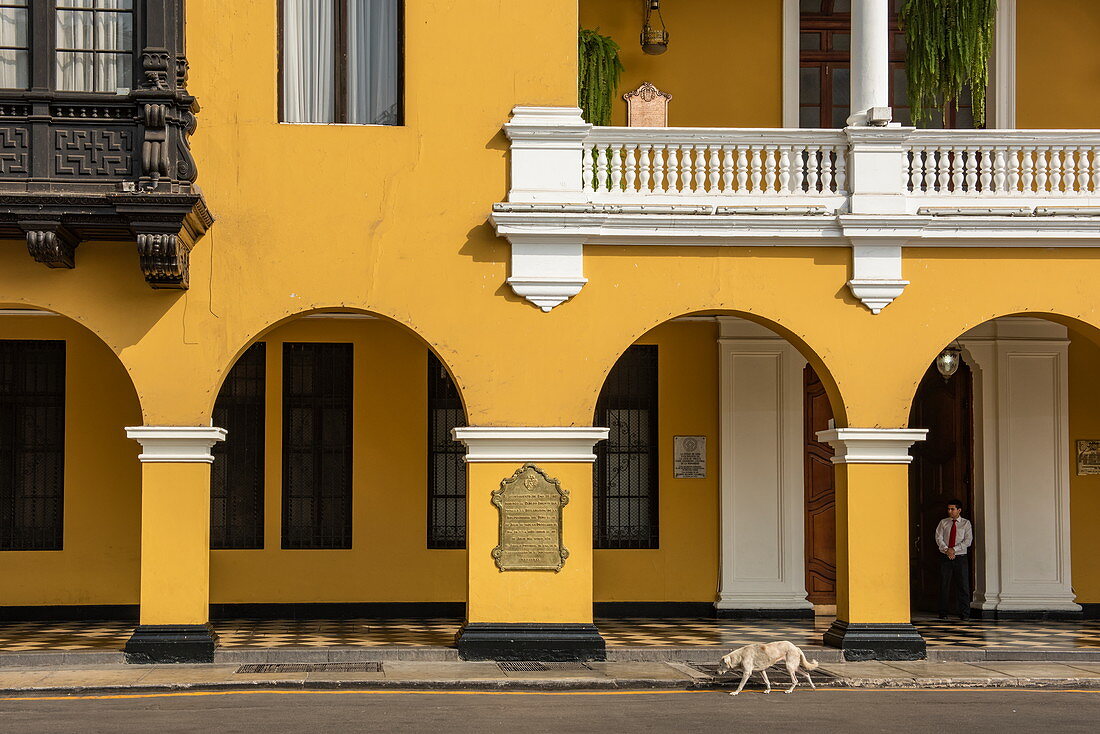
<point x="626" y="475"/>
<point x="32" y="445"/>
<point x="446" y="460"/>
<point x="317" y="445"/>
<point x="237" y="475"/>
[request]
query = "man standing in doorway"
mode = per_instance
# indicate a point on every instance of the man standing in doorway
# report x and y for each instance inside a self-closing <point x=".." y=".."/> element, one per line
<point x="954" y="535"/>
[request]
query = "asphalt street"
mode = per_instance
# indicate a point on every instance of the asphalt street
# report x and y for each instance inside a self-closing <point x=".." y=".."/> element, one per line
<point x="270" y="712"/>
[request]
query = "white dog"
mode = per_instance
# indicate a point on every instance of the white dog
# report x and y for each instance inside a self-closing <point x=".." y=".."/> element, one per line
<point x="762" y="656"/>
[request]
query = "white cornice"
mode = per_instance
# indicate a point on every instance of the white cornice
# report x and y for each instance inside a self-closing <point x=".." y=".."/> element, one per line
<point x="176" y="444"/>
<point x="510" y="444"/>
<point x="872" y="445"/>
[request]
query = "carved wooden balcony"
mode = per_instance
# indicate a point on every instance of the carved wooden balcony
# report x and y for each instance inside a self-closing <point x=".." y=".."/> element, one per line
<point x="77" y="167"/>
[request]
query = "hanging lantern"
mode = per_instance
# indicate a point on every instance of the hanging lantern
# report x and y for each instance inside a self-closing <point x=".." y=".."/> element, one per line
<point x="947" y="363"/>
<point x="654" y="37"/>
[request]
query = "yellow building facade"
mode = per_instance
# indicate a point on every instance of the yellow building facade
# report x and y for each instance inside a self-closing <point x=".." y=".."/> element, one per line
<point x="495" y="243"/>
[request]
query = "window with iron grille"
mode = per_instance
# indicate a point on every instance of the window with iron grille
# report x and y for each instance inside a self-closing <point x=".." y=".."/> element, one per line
<point x="32" y="444"/>
<point x="237" y="475"/>
<point x="626" y="478"/>
<point x="446" y="465"/>
<point x="317" y="445"/>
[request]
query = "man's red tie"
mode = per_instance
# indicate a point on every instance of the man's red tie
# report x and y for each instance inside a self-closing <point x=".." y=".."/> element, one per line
<point x="951" y="540"/>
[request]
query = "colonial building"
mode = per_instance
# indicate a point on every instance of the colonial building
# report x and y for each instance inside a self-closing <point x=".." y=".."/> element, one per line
<point x="294" y="291"/>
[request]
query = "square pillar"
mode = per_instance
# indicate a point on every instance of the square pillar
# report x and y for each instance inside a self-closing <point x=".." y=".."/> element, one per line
<point x="174" y="624"/>
<point x="872" y="511"/>
<point x="543" y="614"/>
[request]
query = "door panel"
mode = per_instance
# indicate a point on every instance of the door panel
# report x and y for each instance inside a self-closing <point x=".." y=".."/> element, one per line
<point x="820" y="498"/>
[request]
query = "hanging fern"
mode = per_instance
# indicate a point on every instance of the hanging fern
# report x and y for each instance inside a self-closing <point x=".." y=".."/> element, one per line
<point x="599" y="68"/>
<point x="949" y="43"/>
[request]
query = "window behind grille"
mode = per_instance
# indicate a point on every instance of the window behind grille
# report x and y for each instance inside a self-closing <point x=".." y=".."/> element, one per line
<point x="626" y="478"/>
<point x="446" y="465"/>
<point x="237" y="476"/>
<point x="32" y="444"/>
<point x="317" y="445"/>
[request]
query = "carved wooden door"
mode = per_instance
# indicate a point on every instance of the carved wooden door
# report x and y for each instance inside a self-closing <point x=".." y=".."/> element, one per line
<point x="942" y="469"/>
<point x="820" y="498"/>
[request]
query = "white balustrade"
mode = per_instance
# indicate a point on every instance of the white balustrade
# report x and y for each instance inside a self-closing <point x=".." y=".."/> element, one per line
<point x="714" y="163"/>
<point x="1015" y="164"/>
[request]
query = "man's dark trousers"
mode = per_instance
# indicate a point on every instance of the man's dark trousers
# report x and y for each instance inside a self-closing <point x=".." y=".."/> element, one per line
<point x="960" y="568"/>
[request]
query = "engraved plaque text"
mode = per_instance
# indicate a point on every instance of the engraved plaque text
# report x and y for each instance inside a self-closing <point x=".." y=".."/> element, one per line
<point x="530" y="505"/>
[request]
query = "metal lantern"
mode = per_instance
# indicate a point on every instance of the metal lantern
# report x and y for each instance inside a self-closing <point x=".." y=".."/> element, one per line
<point x="947" y="363"/>
<point x="654" y="37"/>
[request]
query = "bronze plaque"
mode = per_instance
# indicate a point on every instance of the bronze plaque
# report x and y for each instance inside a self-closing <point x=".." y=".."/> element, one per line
<point x="647" y="106"/>
<point x="530" y="505"/>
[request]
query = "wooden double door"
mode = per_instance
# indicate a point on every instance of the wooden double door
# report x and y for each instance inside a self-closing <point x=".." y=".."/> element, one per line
<point x="942" y="469"/>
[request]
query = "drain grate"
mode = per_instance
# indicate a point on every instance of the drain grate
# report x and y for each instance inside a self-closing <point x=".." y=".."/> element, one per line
<point x="311" y="668"/>
<point x="526" y="665"/>
<point x="708" y="668"/>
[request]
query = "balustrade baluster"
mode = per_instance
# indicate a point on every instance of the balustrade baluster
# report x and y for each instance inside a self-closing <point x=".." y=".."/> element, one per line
<point x="632" y="169"/>
<point x="601" y="154"/>
<point x="770" y="170"/>
<point x="1096" y="171"/>
<point x="943" y="170"/>
<point x="1027" y="177"/>
<point x="700" y="169"/>
<point x="1000" y="174"/>
<point x="958" y="165"/>
<point x="1069" y="171"/>
<point x="1055" y="170"/>
<point x="841" y="176"/>
<point x="714" y="172"/>
<point x="916" y="167"/>
<point x="617" y="169"/>
<point x="797" y="175"/>
<point x="784" y="170"/>
<point x="659" y="169"/>
<point x="972" y="171"/>
<point x="674" y="157"/>
<point x="757" y="173"/>
<point x="727" y="169"/>
<point x="1013" y="172"/>
<point x="811" y="168"/>
<point x="742" y="169"/>
<point x="685" y="169"/>
<point x="930" y="165"/>
<point x="1083" y="171"/>
<point x="986" y="155"/>
<point x="1041" y="170"/>
<point x="644" y="172"/>
<point x="826" y="171"/>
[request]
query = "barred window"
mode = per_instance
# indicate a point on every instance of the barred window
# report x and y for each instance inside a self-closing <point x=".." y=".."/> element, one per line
<point x="446" y="464"/>
<point x="237" y="476"/>
<point x="317" y="445"/>
<point x="32" y="444"/>
<point x="626" y="478"/>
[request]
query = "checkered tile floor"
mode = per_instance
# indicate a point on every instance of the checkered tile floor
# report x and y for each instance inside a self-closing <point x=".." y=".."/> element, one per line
<point x="633" y="632"/>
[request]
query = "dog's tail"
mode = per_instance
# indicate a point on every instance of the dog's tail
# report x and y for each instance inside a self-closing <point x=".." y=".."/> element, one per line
<point x="808" y="664"/>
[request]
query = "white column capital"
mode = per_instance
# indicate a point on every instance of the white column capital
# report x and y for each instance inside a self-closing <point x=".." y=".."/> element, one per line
<point x="507" y="444"/>
<point x="176" y="444"/>
<point x="872" y="445"/>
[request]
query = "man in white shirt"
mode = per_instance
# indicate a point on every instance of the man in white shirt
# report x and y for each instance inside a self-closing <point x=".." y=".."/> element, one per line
<point x="954" y="536"/>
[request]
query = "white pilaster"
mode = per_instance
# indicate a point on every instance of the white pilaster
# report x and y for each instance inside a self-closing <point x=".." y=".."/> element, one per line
<point x="545" y="152"/>
<point x="1023" y="452"/>
<point x="763" y="554"/>
<point x="870" y="76"/>
<point x="176" y="444"/>
<point x="502" y="444"/>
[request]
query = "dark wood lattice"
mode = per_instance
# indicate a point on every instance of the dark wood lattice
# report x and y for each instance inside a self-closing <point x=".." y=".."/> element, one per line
<point x="626" y="475"/>
<point x="32" y="444"/>
<point x="317" y="445"/>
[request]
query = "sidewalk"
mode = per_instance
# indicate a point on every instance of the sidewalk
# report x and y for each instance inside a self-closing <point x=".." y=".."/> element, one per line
<point x="454" y="675"/>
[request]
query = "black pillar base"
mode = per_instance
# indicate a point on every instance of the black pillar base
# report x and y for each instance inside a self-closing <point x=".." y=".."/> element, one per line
<point x="861" y="641"/>
<point x="542" y="642"/>
<point x="764" y="613"/>
<point x="172" y="643"/>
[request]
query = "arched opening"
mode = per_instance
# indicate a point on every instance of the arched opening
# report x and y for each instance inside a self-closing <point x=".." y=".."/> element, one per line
<point x="1009" y="437"/>
<point x="70" y="484"/>
<point x="339" y="484"/>
<point x="705" y="499"/>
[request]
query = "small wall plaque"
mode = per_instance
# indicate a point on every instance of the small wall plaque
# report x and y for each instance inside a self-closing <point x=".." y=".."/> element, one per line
<point x="689" y="457"/>
<point x="647" y="106"/>
<point x="530" y="505"/>
<point x="1088" y="457"/>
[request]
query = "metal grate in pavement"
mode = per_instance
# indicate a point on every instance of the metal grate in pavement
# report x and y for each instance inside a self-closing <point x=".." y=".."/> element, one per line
<point x="528" y="665"/>
<point x="708" y="668"/>
<point x="373" y="667"/>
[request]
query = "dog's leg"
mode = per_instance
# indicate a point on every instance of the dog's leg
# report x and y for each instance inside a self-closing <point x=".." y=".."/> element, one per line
<point x="744" y="679"/>
<point x="793" y="671"/>
<point x="767" y="682"/>
<point x="811" y="680"/>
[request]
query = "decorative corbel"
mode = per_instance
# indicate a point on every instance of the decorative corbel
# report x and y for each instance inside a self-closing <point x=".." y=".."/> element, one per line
<point x="164" y="257"/>
<point x="51" y="243"/>
<point x="876" y="275"/>
<point x="547" y="271"/>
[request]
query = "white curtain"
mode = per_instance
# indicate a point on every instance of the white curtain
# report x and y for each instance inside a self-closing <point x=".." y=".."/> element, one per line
<point x="373" y="70"/>
<point x="100" y="45"/>
<point x="14" y="57"/>
<point x="308" y="61"/>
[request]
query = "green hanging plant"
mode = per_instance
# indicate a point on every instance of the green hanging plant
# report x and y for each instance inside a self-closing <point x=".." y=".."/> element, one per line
<point x="599" y="68"/>
<point x="949" y="43"/>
